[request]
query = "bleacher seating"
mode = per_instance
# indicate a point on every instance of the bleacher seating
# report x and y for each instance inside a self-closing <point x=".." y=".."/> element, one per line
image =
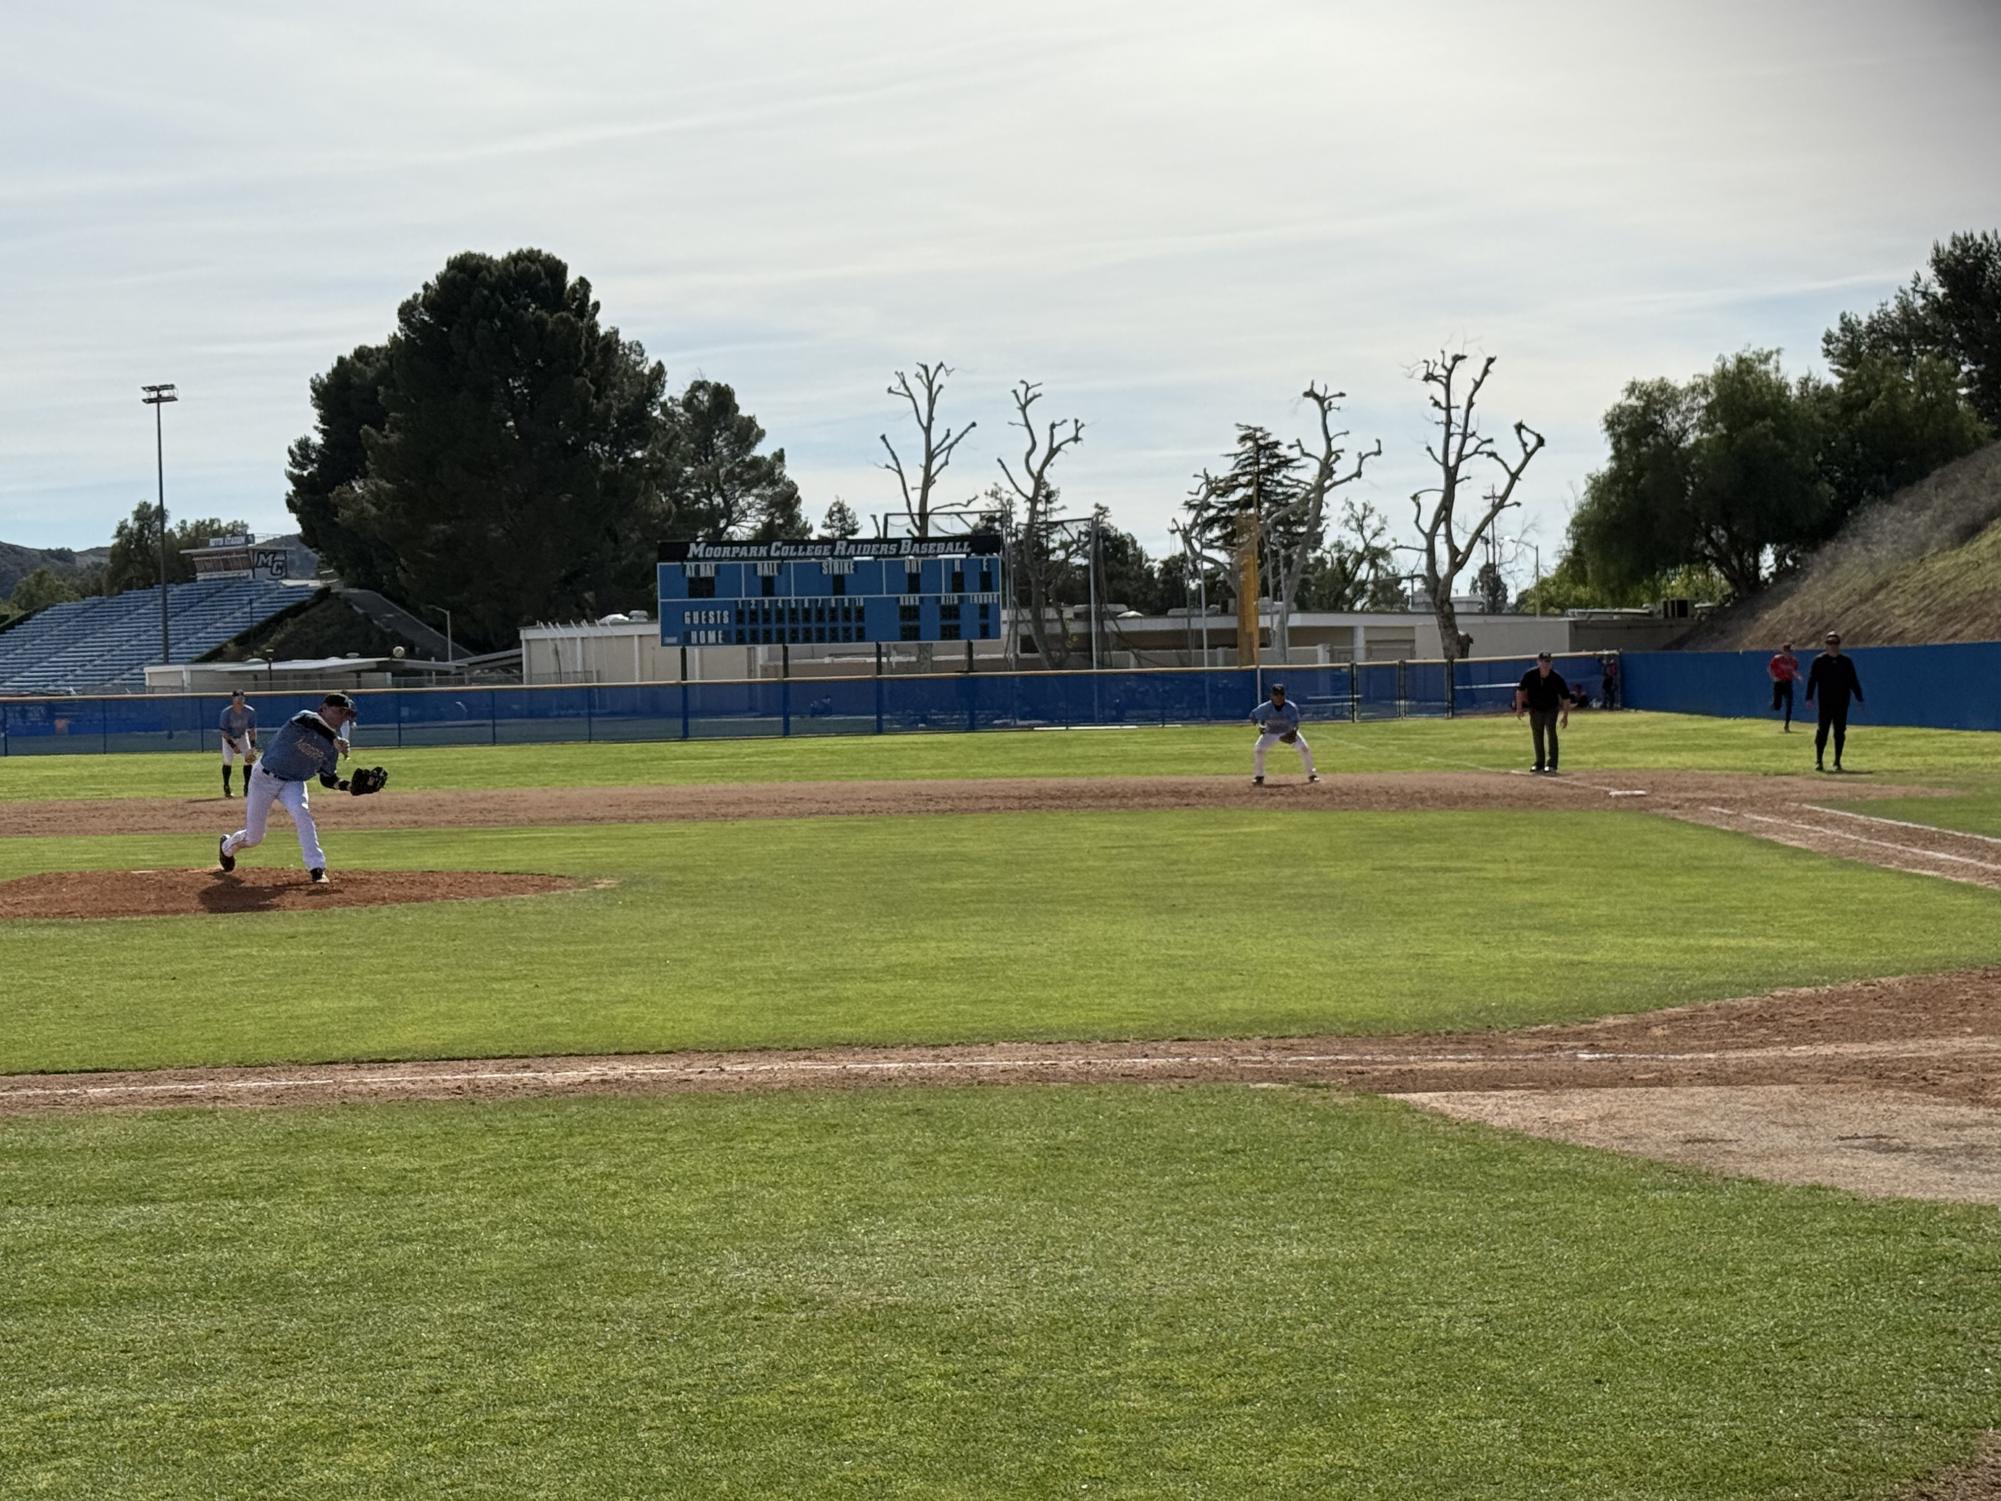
<point x="109" y="642"/>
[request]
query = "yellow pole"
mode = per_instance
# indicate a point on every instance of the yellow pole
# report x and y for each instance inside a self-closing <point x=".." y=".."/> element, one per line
<point x="1247" y="589"/>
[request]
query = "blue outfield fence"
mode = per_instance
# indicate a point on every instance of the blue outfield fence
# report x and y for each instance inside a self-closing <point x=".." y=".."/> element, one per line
<point x="789" y="706"/>
<point x="1945" y="687"/>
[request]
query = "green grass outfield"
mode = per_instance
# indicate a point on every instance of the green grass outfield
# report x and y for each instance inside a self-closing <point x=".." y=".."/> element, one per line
<point x="1161" y="924"/>
<point x="1624" y="740"/>
<point x="1135" y="1292"/>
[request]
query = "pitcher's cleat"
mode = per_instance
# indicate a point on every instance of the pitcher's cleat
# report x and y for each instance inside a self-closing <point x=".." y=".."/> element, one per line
<point x="319" y="875"/>
<point x="223" y="857"/>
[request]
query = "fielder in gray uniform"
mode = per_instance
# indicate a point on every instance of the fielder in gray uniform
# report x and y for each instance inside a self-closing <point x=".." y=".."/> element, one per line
<point x="239" y="739"/>
<point x="1277" y="720"/>
<point x="309" y="745"/>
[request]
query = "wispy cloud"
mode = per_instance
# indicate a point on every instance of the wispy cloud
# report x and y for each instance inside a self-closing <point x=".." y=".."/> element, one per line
<point x="1173" y="215"/>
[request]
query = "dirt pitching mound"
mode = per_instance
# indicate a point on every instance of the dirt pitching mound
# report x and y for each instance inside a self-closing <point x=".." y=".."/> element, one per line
<point x="185" y="893"/>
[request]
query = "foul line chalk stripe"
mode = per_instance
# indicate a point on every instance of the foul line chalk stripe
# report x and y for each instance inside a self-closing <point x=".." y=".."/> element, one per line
<point x="1900" y="823"/>
<point x="1883" y="844"/>
<point x="916" y="1065"/>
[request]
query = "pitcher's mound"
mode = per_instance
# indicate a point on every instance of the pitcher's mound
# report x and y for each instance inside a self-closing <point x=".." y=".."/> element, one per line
<point x="182" y="893"/>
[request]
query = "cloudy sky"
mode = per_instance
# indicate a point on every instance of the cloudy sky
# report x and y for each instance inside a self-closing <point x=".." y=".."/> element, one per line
<point x="1172" y="214"/>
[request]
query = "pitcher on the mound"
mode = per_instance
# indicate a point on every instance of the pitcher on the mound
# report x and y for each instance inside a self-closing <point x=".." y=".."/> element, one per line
<point x="1277" y="719"/>
<point x="308" y="746"/>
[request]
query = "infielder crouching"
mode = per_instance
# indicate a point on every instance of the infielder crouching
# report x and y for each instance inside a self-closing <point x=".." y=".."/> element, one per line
<point x="239" y="740"/>
<point x="1278" y="722"/>
<point x="308" y="745"/>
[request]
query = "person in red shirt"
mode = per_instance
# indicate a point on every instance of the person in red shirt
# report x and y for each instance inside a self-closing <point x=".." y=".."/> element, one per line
<point x="1784" y="668"/>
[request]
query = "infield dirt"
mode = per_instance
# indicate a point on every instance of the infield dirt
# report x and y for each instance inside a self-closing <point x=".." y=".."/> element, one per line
<point x="1889" y="1086"/>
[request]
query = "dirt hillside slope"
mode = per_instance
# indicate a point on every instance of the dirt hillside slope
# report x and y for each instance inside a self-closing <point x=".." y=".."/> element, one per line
<point x="1923" y="566"/>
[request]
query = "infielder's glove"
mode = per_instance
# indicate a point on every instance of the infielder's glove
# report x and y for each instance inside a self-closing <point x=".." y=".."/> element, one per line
<point x="1290" y="737"/>
<point x="368" y="779"/>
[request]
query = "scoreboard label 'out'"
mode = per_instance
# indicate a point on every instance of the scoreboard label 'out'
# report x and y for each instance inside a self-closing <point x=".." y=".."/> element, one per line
<point x="830" y="591"/>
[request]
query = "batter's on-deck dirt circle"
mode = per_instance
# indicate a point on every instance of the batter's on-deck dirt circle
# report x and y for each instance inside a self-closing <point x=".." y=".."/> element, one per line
<point x="309" y="745"/>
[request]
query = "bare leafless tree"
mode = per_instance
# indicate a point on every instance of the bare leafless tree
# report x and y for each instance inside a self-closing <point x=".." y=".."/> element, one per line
<point x="935" y="446"/>
<point x="1295" y="532"/>
<point x="1039" y="555"/>
<point x="1460" y="443"/>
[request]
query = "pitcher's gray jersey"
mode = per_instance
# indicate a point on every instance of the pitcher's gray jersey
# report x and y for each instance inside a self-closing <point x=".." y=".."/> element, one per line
<point x="304" y="747"/>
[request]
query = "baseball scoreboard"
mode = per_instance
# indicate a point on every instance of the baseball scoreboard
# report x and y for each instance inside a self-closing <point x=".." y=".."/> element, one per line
<point x="830" y="591"/>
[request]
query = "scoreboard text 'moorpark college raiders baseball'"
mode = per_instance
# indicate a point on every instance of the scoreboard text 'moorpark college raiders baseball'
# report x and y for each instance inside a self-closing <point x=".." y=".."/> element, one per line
<point x="830" y="591"/>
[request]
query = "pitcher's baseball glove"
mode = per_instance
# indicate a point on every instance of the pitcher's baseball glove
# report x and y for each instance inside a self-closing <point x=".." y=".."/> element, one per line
<point x="366" y="779"/>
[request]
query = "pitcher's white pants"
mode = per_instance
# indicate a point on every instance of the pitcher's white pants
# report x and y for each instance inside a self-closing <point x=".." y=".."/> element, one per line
<point x="1267" y="741"/>
<point x="263" y="791"/>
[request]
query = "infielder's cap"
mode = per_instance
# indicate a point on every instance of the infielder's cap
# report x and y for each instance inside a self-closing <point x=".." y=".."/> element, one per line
<point x="339" y="701"/>
<point x="1278" y="687"/>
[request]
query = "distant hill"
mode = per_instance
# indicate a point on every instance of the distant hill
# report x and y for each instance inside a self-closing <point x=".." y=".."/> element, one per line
<point x="1925" y="565"/>
<point x="16" y="563"/>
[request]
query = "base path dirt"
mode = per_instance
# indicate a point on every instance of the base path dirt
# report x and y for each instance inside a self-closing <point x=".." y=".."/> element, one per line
<point x="1854" y="1051"/>
<point x="181" y="893"/>
<point x="1874" y="1141"/>
<point x="1418" y="791"/>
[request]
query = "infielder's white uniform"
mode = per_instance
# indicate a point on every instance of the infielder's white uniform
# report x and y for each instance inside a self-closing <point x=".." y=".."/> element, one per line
<point x="1275" y="720"/>
<point x="239" y="735"/>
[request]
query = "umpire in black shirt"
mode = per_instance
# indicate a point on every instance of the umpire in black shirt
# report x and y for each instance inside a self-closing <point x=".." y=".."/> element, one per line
<point x="1832" y="681"/>
<point x="1546" y="696"/>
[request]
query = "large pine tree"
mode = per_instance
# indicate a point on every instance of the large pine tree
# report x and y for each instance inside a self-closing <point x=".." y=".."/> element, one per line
<point x="511" y="464"/>
<point x="1262" y="478"/>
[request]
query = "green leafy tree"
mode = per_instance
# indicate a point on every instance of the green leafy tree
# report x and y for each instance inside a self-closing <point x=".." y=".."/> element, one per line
<point x="1723" y="471"/>
<point x="1357" y="569"/>
<point x="1889" y="423"/>
<point x="718" y="482"/>
<point x="1569" y="587"/>
<point x="841" y="520"/>
<point x="518" y="469"/>
<point x="135" y="548"/>
<point x="1491" y="588"/>
<point x="40" y="589"/>
<point x="326" y="466"/>
<point x="1953" y="314"/>
<point x="1126" y="575"/>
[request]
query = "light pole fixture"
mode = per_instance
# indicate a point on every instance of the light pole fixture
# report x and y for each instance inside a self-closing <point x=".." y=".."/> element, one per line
<point x="450" y="654"/>
<point x="157" y="397"/>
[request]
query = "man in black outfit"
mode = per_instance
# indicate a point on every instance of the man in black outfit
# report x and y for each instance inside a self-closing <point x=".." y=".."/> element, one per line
<point x="1546" y="696"/>
<point x="1832" y="680"/>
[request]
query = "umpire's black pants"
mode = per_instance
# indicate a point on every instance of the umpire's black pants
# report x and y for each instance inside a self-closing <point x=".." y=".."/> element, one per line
<point x="1542" y="725"/>
<point x="1832" y="717"/>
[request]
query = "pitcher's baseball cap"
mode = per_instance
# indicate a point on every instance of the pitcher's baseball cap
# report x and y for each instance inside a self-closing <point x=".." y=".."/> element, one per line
<point x="339" y="701"/>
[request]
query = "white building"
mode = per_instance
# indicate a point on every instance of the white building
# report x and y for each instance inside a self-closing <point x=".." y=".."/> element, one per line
<point x="622" y="650"/>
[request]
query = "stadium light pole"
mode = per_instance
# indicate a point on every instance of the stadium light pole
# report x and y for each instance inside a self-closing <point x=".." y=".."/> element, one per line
<point x="157" y="397"/>
<point x="450" y="654"/>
